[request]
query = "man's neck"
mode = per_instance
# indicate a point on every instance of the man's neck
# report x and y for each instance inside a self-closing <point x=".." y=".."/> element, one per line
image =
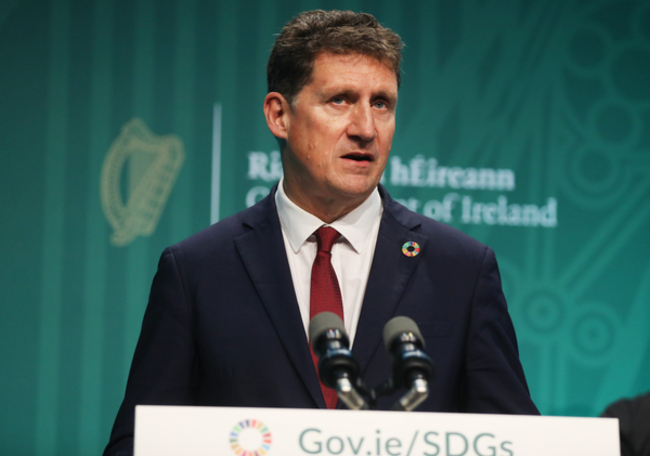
<point x="326" y="209"/>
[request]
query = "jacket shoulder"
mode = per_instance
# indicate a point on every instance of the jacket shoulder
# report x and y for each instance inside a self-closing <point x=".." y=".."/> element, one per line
<point x="218" y="238"/>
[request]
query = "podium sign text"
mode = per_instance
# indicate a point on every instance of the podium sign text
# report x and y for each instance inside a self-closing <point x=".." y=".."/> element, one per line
<point x="225" y="431"/>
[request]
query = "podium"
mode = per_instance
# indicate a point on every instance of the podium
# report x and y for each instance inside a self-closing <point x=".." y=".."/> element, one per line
<point x="238" y="431"/>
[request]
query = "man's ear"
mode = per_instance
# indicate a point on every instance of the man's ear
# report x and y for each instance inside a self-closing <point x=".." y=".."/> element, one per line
<point x="276" y="110"/>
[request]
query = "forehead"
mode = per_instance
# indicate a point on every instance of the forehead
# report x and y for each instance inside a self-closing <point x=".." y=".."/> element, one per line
<point x="340" y="70"/>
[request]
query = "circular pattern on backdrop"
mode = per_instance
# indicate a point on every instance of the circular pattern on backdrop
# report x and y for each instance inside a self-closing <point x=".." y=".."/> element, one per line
<point x="590" y="51"/>
<point x="250" y="438"/>
<point x="643" y="23"/>
<point x="594" y="170"/>
<point x="594" y="177"/>
<point x="629" y="74"/>
<point x="544" y="314"/>
<point x="592" y="333"/>
<point x="615" y="124"/>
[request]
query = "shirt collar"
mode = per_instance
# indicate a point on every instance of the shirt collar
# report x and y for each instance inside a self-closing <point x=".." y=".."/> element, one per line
<point x="355" y="226"/>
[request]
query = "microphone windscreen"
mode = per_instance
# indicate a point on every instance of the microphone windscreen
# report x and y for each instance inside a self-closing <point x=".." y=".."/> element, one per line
<point x="322" y="322"/>
<point x="398" y="326"/>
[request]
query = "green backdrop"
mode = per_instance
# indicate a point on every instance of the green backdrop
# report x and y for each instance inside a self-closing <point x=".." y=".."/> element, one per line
<point x="525" y="123"/>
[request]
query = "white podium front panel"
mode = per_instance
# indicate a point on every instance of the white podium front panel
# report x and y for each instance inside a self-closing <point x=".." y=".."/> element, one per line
<point x="226" y="431"/>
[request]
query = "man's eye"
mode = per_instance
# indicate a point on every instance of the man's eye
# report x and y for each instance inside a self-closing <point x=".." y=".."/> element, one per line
<point x="380" y="105"/>
<point x="338" y="100"/>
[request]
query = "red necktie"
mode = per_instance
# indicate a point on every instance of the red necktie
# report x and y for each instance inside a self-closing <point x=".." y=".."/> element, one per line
<point x="325" y="293"/>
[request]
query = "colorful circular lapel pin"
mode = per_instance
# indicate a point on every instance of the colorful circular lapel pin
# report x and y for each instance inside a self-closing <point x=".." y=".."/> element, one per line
<point x="411" y="249"/>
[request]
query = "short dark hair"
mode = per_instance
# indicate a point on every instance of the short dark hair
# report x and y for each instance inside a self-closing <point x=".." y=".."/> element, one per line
<point x="292" y="58"/>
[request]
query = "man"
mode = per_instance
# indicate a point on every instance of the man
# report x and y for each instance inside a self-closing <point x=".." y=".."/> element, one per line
<point x="634" y="424"/>
<point x="229" y="307"/>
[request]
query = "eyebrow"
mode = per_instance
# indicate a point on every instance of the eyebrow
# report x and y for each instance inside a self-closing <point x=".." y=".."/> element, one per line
<point x="343" y="90"/>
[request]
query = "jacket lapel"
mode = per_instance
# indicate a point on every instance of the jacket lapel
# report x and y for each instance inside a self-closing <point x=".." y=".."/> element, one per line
<point x="389" y="275"/>
<point x="263" y="254"/>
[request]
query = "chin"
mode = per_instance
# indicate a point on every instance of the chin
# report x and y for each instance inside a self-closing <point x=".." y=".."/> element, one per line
<point x="357" y="192"/>
<point x="355" y="187"/>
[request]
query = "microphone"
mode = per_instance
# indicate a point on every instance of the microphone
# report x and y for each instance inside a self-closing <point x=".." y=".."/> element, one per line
<point x="337" y="367"/>
<point x="412" y="368"/>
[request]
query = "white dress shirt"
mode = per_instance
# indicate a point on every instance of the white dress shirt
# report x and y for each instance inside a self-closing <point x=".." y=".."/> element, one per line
<point x="352" y="253"/>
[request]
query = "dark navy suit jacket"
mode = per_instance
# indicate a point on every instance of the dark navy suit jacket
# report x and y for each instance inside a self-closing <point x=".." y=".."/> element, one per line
<point x="223" y="327"/>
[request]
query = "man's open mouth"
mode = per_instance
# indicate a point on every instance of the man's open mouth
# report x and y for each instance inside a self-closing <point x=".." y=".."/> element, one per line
<point x="359" y="157"/>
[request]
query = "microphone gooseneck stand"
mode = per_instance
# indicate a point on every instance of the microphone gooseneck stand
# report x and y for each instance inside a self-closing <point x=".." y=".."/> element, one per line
<point x="339" y="369"/>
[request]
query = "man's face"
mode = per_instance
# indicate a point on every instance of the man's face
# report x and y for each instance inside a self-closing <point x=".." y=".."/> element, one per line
<point x="339" y="131"/>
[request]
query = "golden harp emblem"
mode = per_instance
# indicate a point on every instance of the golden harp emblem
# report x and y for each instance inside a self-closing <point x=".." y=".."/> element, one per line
<point x="144" y="167"/>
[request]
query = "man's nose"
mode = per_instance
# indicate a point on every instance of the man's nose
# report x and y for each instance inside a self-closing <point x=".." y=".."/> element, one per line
<point x="362" y="123"/>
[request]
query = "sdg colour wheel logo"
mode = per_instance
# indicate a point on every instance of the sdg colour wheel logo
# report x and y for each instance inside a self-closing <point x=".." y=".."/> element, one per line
<point x="250" y="438"/>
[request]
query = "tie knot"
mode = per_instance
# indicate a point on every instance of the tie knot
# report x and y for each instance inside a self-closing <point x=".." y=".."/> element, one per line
<point x="326" y="237"/>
